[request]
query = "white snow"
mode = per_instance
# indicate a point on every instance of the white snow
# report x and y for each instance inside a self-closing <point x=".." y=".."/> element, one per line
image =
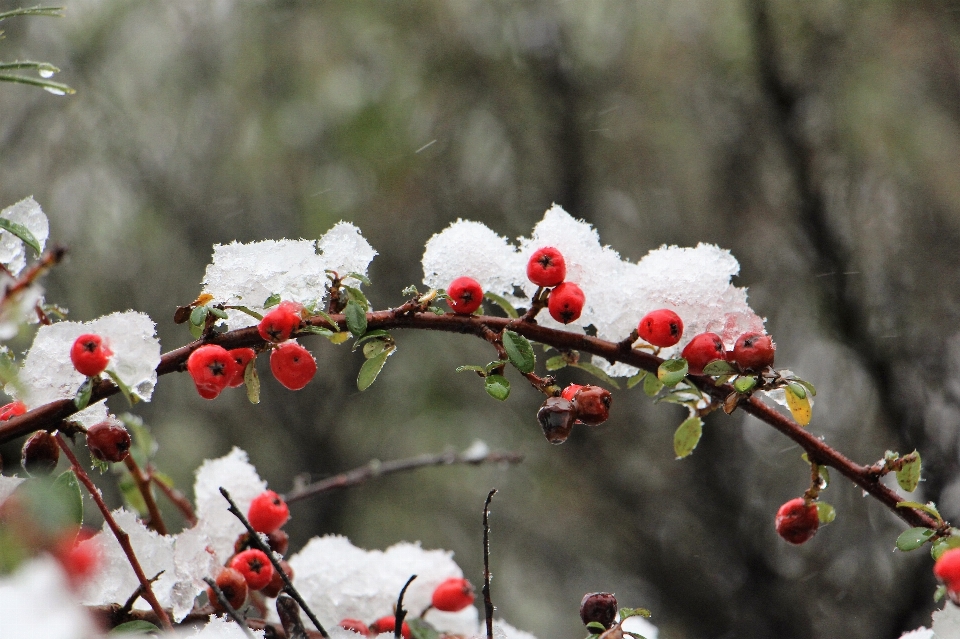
<point x="13" y="252"/>
<point x="36" y="601"/>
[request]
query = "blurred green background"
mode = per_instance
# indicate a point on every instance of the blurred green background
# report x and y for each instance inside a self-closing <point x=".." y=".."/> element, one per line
<point x="817" y="140"/>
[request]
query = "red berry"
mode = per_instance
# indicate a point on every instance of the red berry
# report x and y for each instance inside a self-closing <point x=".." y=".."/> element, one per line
<point x="546" y="267"/>
<point x="40" y="453"/>
<point x="280" y="324"/>
<point x="592" y="405"/>
<point x="797" y="520"/>
<point x="268" y="512"/>
<point x="242" y="357"/>
<point x="466" y="296"/>
<point x="79" y="560"/>
<point x="387" y="624"/>
<point x="211" y="368"/>
<point x="453" y="595"/>
<point x="11" y="410"/>
<point x="703" y="349"/>
<point x="947" y="569"/>
<point x="661" y="328"/>
<point x="356" y="626"/>
<point x="255" y="567"/>
<point x="566" y="302"/>
<point x="570" y="391"/>
<point x="292" y="365"/>
<point x="90" y="355"/>
<point x="754" y="351"/>
<point x="600" y="607"/>
<point x="276" y="584"/>
<point x="556" y="417"/>
<point x="234" y="588"/>
<point x="108" y="441"/>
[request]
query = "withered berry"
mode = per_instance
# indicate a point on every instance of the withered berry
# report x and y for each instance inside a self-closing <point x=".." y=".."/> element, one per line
<point x="556" y="418"/>
<point x="546" y="267"/>
<point x="466" y="296"/>
<point x="592" y="405"/>
<point x="797" y="520"/>
<point x="234" y="588"/>
<point x="566" y="303"/>
<point x="661" y="328"/>
<point x="703" y="349"/>
<point x="40" y="453"/>
<point x="754" y="351"/>
<point x="90" y="355"/>
<point x="108" y="441"/>
<point x="599" y="607"/>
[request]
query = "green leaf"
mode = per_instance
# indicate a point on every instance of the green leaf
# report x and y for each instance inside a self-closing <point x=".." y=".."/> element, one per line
<point x="652" y="385"/>
<point x="82" y="398"/>
<point x="144" y="445"/>
<point x="131" y="398"/>
<point x="944" y="544"/>
<point x="420" y="629"/>
<point x="719" y="367"/>
<point x="492" y="366"/>
<point x="374" y="348"/>
<point x="360" y="277"/>
<point x="555" y="363"/>
<point x="471" y="367"/>
<point x="597" y="372"/>
<point x="723" y="379"/>
<point x="596" y="628"/>
<point x="825" y="513"/>
<point x="928" y="508"/>
<point x="134" y="627"/>
<point x="22" y="232"/>
<point x="252" y="382"/>
<point x="797" y="389"/>
<point x="374" y="334"/>
<point x="636" y="379"/>
<point x="808" y="386"/>
<point x="520" y="351"/>
<point x="196" y="331"/>
<point x="409" y="291"/>
<point x="335" y="326"/>
<point x="909" y="474"/>
<point x="356" y="318"/>
<point x="939" y="593"/>
<point x="243" y="309"/>
<point x="502" y="303"/>
<point x="497" y="387"/>
<point x="687" y="436"/>
<point x="216" y="312"/>
<point x="198" y="316"/>
<point x="745" y="384"/>
<point x="371" y="369"/>
<point x="357" y="296"/>
<point x="672" y="371"/>
<point x="913" y="538"/>
<point x="271" y="301"/>
<point x="626" y="613"/>
<point x="317" y="330"/>
<point x="67" y="485"/>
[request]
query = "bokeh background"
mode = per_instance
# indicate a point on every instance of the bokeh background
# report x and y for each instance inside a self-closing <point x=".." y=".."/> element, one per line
<point x="817" y="140"/>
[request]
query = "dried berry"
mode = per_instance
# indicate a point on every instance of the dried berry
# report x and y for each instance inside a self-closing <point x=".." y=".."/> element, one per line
<point x="242" y="357"/>
<point x="211" y="367"/>
<point x="276" y="584"/>
<point x="465" y="295"/>
<point x="108" y="441"/>
<point x="592" y="405"/>
<point x="234" y="588"/>
<point x="599" y="607"/>
<point x="797" y="520"/>
<point x="566" y="303"/>
<point x="268" y="512"/>
<point x="754" y="351"/>
<point x="452" y="595"/>
<point x="570" y="391"/>
<point x="281" y="323"/>
<point x="556" y="418"/>
<point x="90" y="355"/>
<point x="546" y="267"/>
<point x="292" y="365"/>
<point x="387" y="624"/>
<point x="255" y="567"/>
<point x="703" y="349"/>
<point x="40" y="453"/>
<point x="661" y="328"/>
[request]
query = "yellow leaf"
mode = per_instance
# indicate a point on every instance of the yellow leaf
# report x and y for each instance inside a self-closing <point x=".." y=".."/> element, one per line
<point x="799" y="407"/>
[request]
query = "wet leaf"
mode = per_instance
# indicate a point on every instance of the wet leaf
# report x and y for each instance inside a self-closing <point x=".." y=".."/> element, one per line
<point x="371" y="369"/>
<point x="357" y="296"/>
<point x="825" y="512"/>
<point x="356" y="318"/>
<point x="799" y="406"/>
<point x="636" y="379"/>
<point x="672" y="371"/>
<point x="360" y="277"/>
<point x="471" y="367"/>
<point x="520" y="351"/>
<point x="317" y="330"/>
<point x="22" y="232"/>
<point x="596" y="628"/>
<point x="687" y="436"/>
<point x="251" y="381"/>
<point x="198" y="316"/>
<point x="374" y="334"/>
<point x="745" y="384"/>
<point x="626" y="613"/>
<point x="909" y="474"/>
<point x="913" y="538"/>
<point x="82" y="399"/>
<point x="719" y="367"/>
<point x="555" y="363"/>
<point x="374" y="348"/>
<point x="808" y="386"/>
<point x="271" y="301"/>
<point x="497" y="386"/>
<point x="652" y="385"/>
<point x="928" y="508"/>
<point x="502" y="303"/>
<point x="216" y="312"/>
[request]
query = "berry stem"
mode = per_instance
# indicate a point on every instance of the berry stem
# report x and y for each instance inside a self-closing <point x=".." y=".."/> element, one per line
<point x="487" y="601"/>
<point x="177" y="499"/>
<point x="122" y="537"/>
<point x="230" y="609"/>
<point x="142" y="480"/>
<point x="290" y="618"/>
<point x="537" y="303"/>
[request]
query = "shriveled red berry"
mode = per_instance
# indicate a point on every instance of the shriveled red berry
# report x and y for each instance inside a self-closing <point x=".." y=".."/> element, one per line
<point x="592" y="405"/>
<point x="40" y="453"/>
<point x="466" y="296"/>
<point x="556" y="417"/>
<point x="90" y="355"/>
<point x="356" y="626"/>
<point x="292" y="365"/>
<point x="242" y="357"/>
<point x="703" y="349"/>
<point x="212" y="368"/>
<point x="566" y="303"/>
<point x="570" y="391"/>
<point x="276" y="584"/>
<point x="278" y="541"/>
<point x="387" y="624"/>
<point x="546" y="267"/>
<point x="234" y="588"/>
<point x="452" y="595"/>
<point x="661" y="328"/>
<point x="108" y="441"/>
<point x="599" y="607"/>
<point x="797" y="520"/>
<point x="754" y="351"/>
<point x="268" y="512"/>
<point x="255" y="567"/>
<point x="11" y="410"/>
<point x="947" y="569"/>
<point x="279" y="324"/>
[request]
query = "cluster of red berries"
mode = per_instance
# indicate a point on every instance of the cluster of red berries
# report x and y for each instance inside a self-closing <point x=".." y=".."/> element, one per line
<point x="798" y="520"/>
<point x="250" y="570"/>
<point x="576" y="404"/>
<point x="90" y="355"/>
<point x="452" y="595"/>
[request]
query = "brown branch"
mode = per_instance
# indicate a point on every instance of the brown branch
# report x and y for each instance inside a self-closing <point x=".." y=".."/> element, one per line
<point x="177" y="499"/>
<point x="122" y="537"/>
<point x="142" y="481"/>
<point x="47" y="261"/>
<point x="487" y="601"/>
<point x="377" y="468"/>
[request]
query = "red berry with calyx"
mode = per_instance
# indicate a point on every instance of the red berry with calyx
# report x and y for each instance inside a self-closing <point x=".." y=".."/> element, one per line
<point x="276" y="584"/>
<point x="797" y="520"/>
<point x="292" y="365"/>
<point x="599" y="607"/>
<point x="40" y="453"/>
<point x="281" y="323"/>
<point x="661" y="328"/>
<point x="268" y="512"/>
<point x="11" y="410"/>
<point x="570" y="391"/>
<point x="947" y="569"/>
<point x="465" y="295"/>
<point x="453" y="595"/>
<point x="211" y="367"/>
<point x="234" y="588"/>
<point x="356" y="626"/>
<point x="242" y="357"/>
<point x="556" y="417"/>
<point x="754" y="351"/>
<point x="566" y="303"/>
<point x="703" y="349"/>
<point x="90" y="355"/>
<point x="546" y="267"/>
<point x="108" y="441"/>
<point x="255" y="567"/>
<point x="592" y="405"/>
<point x="387" y="624"/>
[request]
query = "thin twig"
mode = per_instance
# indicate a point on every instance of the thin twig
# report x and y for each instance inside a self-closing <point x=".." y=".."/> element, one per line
<point x="401" y="613"/>
<point x="290" y="617"/>
<point x="132" y="599"/>
<point x="47" y="261"/>
<point x="222" y="598"/>
<point x="122" y="537"/>
<point x="487" y="601"/>
<point x="177" y="498"/>
<point x="142" y="480"/>
<point x="258" y="542"/>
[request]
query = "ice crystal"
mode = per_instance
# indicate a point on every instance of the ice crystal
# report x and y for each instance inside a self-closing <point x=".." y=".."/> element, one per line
<point x="27" y="213"/>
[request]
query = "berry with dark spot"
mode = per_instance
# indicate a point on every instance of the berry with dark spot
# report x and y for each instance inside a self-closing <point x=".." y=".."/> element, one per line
<point x="797" y="520"/>
<point x="566" y="303"/>
<point x="268" y="512"/>
<point x="242" y="357"/>
<point x="211" y="367"/>
<point x="754" y="351"/>
<point x="465" y="295"/>
<point x="546" y="267"/>
<point x="703" y="349"/>
<point x="108" y="441"/>
<point x="292" y="365"/>
<point x="599" y="607"/>
<point x="234" y="588"/>
<point x="281" y="323"/>
<point x="90" y="355"/>
<point x="255" y="567"/>
<point x="661" y="328"/>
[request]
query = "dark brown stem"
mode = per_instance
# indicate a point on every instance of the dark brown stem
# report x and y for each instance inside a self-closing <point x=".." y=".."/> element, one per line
<point x="122" y="537"/>
<point x="377" y="468"/>
<point x="401" y="613"/>
<point x="537" y="303"/>
<point x="132" y="599"/>
<point x="142" y="480"/>
<point x="225" y="603"/>
<point x="487" y="601"/>
<point x="289" y="615"/>
<point x="177" y="499"/>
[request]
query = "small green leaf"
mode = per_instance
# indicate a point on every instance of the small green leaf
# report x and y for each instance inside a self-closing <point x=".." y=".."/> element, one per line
<point x="636" y="379"/>
<point x="144" y="445"/>
<point x="497" y="387"/>
<point x="375" y="334"/>
<point x="216" y="312"/>
<point x="797" y="389"/>
<point x="502" y="303"/>
<point x="196" y="330"/>
<point x="134" y="627"/>
<point x="410" y="291"/>
<point x="494" y="365"/>
<point x="687" y="436"/>
<point x="82" y="398"/>
<point x="909" y="474"/>
<point x="356" y="318"/>
<point x="719" y="367"/>
<point x="131" y="397"/>
<point x="131" y="494"/>
<point x="555" y="363"/>
<point x="22" y="232"/>
<point x="913" y="538"/>
<point x="944" y="544"/>
<point x="374" y="348"/>
<point x="745" y="384"/>
<point x="928" y="508"/>
<point x="807" y="385"/>
<point x="67" y="485"/>
<point x="520" y="351"/>
<point x="723" y="379"/>
<point x="271" y="301"/>
<point x="360" y="277"/>
<point x="825" y="513"/>
<point x="317" y="330"/>
<point x="329" y="319"/>
<point x="252" y="381"/>
<point x="672" y="371"/>
<point x="357" y="296"/>
<point x="939" y="593"/>
<point x="626" y="613"/>
<point x="471" y="367"/>
<point x="198" y="316"/>
<point x="597" y="372"/>
<point x="421" y="629"/>
<point x="596" y="628"/>
<point x="371" y="369"/>
<point x="652" y="385"/>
